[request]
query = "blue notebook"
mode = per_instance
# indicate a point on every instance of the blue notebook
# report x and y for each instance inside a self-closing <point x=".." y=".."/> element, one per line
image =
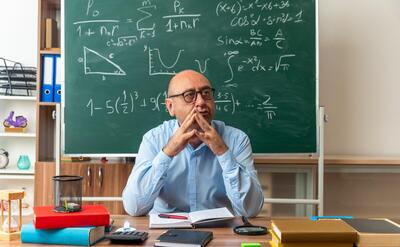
<point x="83" y="236"/>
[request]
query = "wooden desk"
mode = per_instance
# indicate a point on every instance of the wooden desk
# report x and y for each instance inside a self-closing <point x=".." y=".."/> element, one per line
<point x="222" y="236"/>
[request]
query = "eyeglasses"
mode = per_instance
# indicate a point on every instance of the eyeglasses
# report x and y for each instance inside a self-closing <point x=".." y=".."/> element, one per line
<point x="190" y="96"/>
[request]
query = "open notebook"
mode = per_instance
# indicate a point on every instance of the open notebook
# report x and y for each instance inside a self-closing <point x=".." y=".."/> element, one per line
<point x="194" y="218"/>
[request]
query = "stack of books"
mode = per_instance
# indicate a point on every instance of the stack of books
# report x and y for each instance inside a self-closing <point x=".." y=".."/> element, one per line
<point x="376" y="232"/>
<point x="84" y="228"/>
<point x="310" y="233"/>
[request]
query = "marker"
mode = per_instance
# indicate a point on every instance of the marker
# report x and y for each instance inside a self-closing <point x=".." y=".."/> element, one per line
<point x="331" y="217"/>
<point x="251" y="245"/>
<point x="172" y="216"/>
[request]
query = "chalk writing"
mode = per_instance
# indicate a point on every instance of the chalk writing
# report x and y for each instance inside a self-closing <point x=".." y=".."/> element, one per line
<point x="90" y="56"/>
<point x="156" y="64"/>
<point x="180" y="20"/>
<point x="130" y="101"/>
<point x="253" y="40"/>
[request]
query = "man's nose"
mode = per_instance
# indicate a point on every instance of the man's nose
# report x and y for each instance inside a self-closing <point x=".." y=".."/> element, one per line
<point x="199" y="99"/>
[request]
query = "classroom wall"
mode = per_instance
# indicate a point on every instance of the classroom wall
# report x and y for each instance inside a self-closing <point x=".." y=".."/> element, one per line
<point x="359" y="43"/>
<point x="18" y="35"/>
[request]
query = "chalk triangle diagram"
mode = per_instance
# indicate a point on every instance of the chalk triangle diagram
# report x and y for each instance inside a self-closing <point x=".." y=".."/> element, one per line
<point x="94" y="63"/>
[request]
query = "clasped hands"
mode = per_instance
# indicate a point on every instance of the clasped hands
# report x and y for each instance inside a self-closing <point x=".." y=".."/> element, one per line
<point x="187" y="133"/>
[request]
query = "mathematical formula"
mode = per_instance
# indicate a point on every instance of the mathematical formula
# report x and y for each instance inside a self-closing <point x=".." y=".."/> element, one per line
<point x="252" y="29"/>
<point x="129" y="102"/>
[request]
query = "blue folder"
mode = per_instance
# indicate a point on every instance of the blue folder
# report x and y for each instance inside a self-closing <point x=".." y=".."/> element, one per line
<point x="57" y="78"/>
<point x="48" y="76"/>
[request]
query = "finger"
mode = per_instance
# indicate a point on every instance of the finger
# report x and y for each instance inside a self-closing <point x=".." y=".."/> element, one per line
<point x="186" y="125"/>
<point x="201" y="135"/>
<point x="204" y="125"/>
<point x="190" y="114"/>
<point x="189" y="135"/>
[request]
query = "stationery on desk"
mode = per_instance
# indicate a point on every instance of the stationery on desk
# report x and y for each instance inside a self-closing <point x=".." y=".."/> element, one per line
<point x="90" y="215"/>
<point x="376" y="232"/>
<point x="83" y="236"/>
<point x="189" y="220"/>
<point x="310" y="233"/>
<point x="85" y="227"/>
<point x="184" y="238"/>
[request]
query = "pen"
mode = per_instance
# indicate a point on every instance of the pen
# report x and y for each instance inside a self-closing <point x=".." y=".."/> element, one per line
<point x="331" y="217"/>
<point x="172" y="216"/>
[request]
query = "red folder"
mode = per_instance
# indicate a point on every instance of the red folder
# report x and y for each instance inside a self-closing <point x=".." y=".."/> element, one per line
<point x="90" y="215"/>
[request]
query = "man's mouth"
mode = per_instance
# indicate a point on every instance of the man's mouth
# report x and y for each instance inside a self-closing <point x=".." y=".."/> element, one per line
<point x="204" y="113"/>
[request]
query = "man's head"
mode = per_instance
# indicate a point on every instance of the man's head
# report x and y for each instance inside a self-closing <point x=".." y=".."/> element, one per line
<point x="187" y="90"/>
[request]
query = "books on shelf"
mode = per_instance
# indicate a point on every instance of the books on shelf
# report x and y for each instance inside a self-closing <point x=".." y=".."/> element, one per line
<point x="193" y="219"/>
<point x="51" y="34"/>
<point x="376" y="232"/>
<point x="184" y="238"/>
<point x="90" y="215"/>
<point x="84" y="236"/>
<point x="310" y="233"/>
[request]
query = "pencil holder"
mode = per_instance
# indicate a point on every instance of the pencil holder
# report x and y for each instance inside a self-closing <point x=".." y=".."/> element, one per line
<point x="67" y="193"/>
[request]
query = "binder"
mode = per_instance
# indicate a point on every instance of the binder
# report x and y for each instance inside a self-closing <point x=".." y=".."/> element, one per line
<point x="57" y="81"/>
<point x="47" y="78"/>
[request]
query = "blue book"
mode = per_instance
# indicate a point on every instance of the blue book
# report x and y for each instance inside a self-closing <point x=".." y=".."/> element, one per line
<point x="83" y="236"/>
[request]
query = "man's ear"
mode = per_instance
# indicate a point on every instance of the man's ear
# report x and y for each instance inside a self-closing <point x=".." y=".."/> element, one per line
<point x="170" y="107"/>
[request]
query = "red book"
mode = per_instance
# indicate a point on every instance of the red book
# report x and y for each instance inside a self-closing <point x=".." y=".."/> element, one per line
<point x="90" y="215"/>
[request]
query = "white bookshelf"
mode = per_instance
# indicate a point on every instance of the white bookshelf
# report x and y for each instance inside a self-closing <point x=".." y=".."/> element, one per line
<point x="16" y="171"/>
<point x="22" y="135"/>
<point x="17" y="144"/>
<point x="22" y="98"/>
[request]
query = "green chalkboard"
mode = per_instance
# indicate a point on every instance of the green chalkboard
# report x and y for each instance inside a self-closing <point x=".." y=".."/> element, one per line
<point x="260" y="55"/>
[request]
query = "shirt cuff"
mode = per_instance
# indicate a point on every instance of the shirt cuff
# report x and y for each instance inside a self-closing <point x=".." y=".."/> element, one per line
<point x="162" y="161"/>
<point x="227" y="161"/>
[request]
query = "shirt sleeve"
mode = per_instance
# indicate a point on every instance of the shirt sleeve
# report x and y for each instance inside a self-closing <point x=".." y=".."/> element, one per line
<point x="240" y="178"/>
<point x="146" y="179"/>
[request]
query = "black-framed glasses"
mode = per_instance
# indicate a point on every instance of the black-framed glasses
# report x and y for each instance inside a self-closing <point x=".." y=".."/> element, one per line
<point x="190" y="96"/>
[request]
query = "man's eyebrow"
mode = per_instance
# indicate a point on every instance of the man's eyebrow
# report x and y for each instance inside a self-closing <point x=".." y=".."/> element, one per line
<point x="192" y="89"/>
<point x="187" y="90"/>
<point x="208" y="86"/>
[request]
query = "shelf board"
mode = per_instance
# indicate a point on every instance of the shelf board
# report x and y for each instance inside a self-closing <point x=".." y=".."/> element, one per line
<point x="48" y="103"/>
<point x="27" y="98"/>
<point x="16" y="171"/>
<point x="17" y="176"/>
<point x="11" y="134"/>
<point x="55" y="51"/>
<point x="329" y="160"/>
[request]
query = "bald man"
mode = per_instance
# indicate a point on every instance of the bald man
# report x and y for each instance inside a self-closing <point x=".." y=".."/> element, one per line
<point x="193" y="162"/>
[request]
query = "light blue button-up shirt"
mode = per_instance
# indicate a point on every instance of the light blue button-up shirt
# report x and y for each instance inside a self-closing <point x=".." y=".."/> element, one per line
<point x="194" y="179"/>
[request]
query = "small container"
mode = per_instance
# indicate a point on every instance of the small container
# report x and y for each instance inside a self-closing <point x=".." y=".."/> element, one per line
<point x="67" y="193"/>
<point x="23" y="162"/>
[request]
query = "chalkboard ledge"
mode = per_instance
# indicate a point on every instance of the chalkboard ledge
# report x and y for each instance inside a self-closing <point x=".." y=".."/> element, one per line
<point x="329" y="160"/>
